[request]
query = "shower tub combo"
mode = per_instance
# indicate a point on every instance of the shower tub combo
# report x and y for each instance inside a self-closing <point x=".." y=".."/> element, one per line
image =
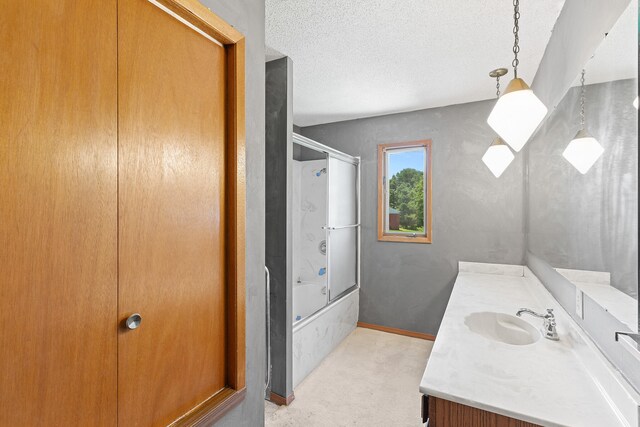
<point x="326" y="238"/>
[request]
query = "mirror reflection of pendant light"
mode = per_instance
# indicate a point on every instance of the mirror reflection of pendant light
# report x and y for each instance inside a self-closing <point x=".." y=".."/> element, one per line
<point x="498" y="156"/>
<point x="518" y="112"/>
<point x="583" y="150"/>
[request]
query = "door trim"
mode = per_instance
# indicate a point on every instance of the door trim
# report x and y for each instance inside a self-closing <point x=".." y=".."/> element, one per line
<point x="212" y="409"/>
<point x="233" y="42"/>
<point x="204" y="19"/>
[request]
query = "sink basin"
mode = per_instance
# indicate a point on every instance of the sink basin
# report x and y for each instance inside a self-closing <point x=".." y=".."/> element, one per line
<point x="502" y="327"/>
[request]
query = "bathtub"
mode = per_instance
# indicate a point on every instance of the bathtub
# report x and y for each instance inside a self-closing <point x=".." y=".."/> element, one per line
<point x="315" y="336"/>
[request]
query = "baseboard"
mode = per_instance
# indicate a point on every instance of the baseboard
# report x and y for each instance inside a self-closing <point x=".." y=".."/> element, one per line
<point x="397" y="331"/>
<point x="281" y="401"/>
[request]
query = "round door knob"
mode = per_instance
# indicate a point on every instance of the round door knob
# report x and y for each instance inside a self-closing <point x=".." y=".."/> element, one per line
<point x="133" y="321"/>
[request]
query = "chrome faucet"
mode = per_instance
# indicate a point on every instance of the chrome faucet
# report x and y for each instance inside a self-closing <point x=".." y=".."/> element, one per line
<point x="549" y="326"/>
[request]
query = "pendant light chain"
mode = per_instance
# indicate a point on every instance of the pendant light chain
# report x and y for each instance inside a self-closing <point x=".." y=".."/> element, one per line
<point x="516" y="30"/>
<point x="498" y="86"/>
<point x="582" y="99"/>
<point x="516" y="117"/>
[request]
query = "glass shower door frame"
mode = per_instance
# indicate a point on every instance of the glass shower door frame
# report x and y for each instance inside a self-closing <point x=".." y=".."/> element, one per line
<point x="331" y="152"/>
<point x="335" y="227"/>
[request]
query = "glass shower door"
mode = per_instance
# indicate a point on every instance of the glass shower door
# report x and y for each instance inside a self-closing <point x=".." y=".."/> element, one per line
<point x="342" y="226"/>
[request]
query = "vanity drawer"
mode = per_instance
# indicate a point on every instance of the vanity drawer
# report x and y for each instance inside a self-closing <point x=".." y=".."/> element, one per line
<point x="444" y="413"/>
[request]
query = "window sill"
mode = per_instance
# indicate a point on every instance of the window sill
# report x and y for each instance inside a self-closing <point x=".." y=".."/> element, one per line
<point x="403" y="239"/>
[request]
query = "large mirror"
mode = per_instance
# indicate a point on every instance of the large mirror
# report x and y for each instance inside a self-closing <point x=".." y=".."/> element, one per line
<point x="583" y="195"/>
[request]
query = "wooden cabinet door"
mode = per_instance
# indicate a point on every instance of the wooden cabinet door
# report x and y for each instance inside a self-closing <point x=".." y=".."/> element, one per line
<point x="58" y="204"/>
<point x="171" y="126"/>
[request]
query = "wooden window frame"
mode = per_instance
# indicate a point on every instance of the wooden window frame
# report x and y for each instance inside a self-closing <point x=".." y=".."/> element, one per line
<point x="383" y="236"/>
<point x="197" y="15"/>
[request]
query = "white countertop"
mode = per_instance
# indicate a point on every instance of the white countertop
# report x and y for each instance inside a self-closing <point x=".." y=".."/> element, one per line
<point x="545" y="383"/>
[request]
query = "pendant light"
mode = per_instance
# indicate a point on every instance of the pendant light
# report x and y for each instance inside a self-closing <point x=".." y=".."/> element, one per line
<point x="583" y="150"/>
<point x="518" y="112"/>
<point x="498" y="156"/>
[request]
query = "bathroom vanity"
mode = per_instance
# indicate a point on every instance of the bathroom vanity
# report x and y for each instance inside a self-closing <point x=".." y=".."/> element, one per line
<point x="489" y="367"/>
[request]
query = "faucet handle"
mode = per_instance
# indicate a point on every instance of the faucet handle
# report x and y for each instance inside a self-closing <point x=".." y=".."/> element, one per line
<point x="549" y="327"/>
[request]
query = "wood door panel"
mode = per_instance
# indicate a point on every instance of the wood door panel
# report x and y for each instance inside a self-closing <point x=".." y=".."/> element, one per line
<point x="58" y="222"/>
<point x="172" y="220"/>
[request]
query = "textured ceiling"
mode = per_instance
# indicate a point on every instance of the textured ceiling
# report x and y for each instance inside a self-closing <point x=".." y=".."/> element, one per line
<point x="362" y="58"/>
<point x="616" y="57"/>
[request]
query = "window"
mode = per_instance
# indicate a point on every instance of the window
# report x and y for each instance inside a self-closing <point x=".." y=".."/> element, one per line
<point x="404" y="192"/>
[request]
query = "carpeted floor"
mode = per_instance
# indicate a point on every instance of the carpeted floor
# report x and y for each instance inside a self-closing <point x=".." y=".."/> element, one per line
<point x="371" y="379"/>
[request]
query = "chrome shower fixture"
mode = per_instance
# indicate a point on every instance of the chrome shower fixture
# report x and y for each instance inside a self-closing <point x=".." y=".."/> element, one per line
<point x="323" y="247"/>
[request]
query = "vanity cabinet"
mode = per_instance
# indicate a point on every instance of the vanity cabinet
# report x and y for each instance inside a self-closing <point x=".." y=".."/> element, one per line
<point x="444" y="413"/>
<point x="121" y="213"/>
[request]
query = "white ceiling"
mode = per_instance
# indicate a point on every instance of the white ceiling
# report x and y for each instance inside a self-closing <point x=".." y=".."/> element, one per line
<point x="362" y="58"/>
<point x="616" y="57"/>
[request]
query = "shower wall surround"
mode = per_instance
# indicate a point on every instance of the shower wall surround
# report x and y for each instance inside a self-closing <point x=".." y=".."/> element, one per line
<point x="308" y="216"/>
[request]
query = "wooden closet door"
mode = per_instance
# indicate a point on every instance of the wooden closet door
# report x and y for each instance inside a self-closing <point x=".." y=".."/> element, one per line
<point x="58" y="222"/>
<point x="171" y="96"/>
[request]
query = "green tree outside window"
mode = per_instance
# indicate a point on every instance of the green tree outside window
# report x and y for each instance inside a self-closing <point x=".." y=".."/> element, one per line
<point x="406" y="194"/>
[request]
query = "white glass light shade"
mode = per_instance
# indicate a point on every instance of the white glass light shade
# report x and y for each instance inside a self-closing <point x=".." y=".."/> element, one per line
<point x="517" y="114"/>
<point x="583" y="151"/>
<point x="498" y="157"/>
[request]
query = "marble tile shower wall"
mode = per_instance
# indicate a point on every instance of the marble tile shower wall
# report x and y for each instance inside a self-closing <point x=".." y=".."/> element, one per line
<point x="309" y="215"/>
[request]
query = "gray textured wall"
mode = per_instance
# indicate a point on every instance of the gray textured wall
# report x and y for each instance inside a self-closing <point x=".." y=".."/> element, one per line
<point x="476" y="217"/>
<point x="248" y="17"/>
<point x="278" y="205"/>
<point x="588" y="222"/>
